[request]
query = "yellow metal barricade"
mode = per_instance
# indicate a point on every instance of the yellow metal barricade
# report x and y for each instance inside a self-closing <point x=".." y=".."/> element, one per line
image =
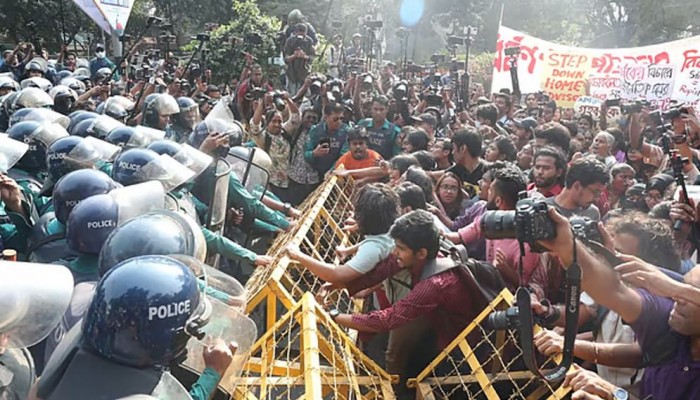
<point x="317" y="233"/>
<point x="307" y="356"/>
<point x="482" y="364"/>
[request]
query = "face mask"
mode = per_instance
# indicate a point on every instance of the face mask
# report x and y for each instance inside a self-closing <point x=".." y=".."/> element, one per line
<point x="100" y="54"/>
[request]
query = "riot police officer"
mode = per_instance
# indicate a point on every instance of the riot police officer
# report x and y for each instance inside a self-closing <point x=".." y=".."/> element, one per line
<point x="157" y="111"/>
<point x="29" y="172"/>
<point x="64" y="98"/>
<point x="184" y="122"/>
<point x="47" y="243"/>
<point x="215" y="136"/>
<point x="143" y="313"/>
<point x="14" y="216"/>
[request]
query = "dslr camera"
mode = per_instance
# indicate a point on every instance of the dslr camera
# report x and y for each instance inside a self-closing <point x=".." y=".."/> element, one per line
<point x="277" y="100"/>
<point x="675" y="112"/>
<point x="255" y="93"/>
<point x="529" y="223"/>
<point x="585" y="228"/>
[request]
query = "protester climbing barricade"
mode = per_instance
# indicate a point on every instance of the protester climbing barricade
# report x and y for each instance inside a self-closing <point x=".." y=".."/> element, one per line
<point x="484" y="364"/>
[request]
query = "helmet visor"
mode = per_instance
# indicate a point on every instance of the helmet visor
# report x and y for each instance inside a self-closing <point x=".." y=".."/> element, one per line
<point x="10" y="152"/>
<point x="107" y="151"/>
<point x="166" y="104"/>
<point x="150" y="134"/>
<point x="34" y="299"/>
<point x="167" y="171"/>
<point x="33" y="98"/>
<point x="193" y="159"/>
<point x="49" y="133"/>
<point x="102" y="125"/>
<point x="46" y="115"/>
<point x="136" y="200"/>
<point x="190" y="116"/>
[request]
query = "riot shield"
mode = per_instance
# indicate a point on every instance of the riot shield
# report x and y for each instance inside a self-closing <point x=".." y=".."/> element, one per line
<point x="33" y="298"/>
<point x="11" y="151"/>
<point x="216" y="218"/>
<point x="253" y="177"/>
<point x="222" y="110"/>
<point x="227" y="322"/>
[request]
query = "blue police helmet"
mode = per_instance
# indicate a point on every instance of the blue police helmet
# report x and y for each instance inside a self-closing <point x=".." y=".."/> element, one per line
<point x="20" y="115"/>
<point x="144" y="311"/>
<point x="82" y="127"/>
<point x="38" y="136"/>
<point x="156" y="233"/>
<point x="66" y="155"/>
<point x="127" y="138"/>
<point x="234" y="131"/>
<point x="165" y="146"/>
<point x="77" y="186"/>
<point x="78" y="116"/>
<point x="127" y="166"/>
<point x="91" y="222"/>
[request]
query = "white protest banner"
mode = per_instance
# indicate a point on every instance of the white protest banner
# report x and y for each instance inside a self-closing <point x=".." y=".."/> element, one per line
<point x="93" y="11"/>
<point x="565" y="72"/>
<point x="110" y="15"/>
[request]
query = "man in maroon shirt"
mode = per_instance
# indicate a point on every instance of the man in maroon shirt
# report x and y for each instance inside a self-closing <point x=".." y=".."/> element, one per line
<point x="549" y="169"/>
<point x="446" y="297"/>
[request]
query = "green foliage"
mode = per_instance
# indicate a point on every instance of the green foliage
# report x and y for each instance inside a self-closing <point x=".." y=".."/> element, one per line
<point x="227" y="43"/>
<point x="320" y="62"/>
<point x="481" y="68"/>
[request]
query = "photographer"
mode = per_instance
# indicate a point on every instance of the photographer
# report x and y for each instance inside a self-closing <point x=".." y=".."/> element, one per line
<point x="277" y="138"/>
<point x="646" y="306"/>
<point x="252" y="88"/>
<point x="298" y="53"/>
<point x="503" y="253"/>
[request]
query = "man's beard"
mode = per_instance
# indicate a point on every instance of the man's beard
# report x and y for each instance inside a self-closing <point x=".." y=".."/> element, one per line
<point x="549" y="182"/>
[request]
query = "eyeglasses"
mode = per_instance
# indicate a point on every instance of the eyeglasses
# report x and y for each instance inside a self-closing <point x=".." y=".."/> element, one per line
<point x="596" y="193"/>
<point x="449" y="188"/>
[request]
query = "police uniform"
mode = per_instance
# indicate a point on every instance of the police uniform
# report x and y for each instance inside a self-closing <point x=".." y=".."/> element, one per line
<point x="382" y="139"/>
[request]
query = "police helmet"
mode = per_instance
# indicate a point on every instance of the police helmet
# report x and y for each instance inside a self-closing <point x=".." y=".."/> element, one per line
<point x="74" y="84"/>
<point x="102" y="74"/>
<point x="31" y="97"/>
<point x="158" y="105"/>
<point x="185" y="154"/>
<point x="8" y="83"/>
<point x="39" y="115"/>
<point x="117" y="107"/>
<point x="141" y="165"/>
<point x="64" y="98"/>
<point x="188" y="117"/>
<point x="77" y="116"/>
<point x="76" y="186"/>
<point x="82" y="126"/>
<point x="102" y="125"/>
<point x="61" y="75"/>
<point x="82" y="74"/>
<point x="233" y="130"/>
<point x="39" y="136"/>
<point x="144" y="311"/>
<point x="73" y="153"/>
<point x="37" y="82"/>
<point x="93" y="219"/>
<point x="127" y="138"/>
<point x="36" y="65"/>
<point x="156" y="233"/>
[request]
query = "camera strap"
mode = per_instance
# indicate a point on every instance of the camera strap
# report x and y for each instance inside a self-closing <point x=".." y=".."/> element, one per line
<point x="526" y="323"/>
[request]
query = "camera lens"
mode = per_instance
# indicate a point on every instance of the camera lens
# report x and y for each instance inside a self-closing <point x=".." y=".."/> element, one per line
<point x="500" y="320"/>
<point x="499" y="225"/>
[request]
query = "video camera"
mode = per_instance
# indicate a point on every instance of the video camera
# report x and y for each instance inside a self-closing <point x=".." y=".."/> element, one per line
<point x="437" y="58"/>
<point x="367" y="81"/>
<point x="432" y="94"/>
<point x="369" y="23"/>
<point x="676" y="112"/>
<point x="400" y="91"/>
<point x="255" y="93"/>
<point x="335" y="90"/>
<point x="202" y="37"/>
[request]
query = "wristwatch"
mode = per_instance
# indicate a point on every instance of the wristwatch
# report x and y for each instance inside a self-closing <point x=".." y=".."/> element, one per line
<point x="334" y="313"/>
<point x="621" y="394"/>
